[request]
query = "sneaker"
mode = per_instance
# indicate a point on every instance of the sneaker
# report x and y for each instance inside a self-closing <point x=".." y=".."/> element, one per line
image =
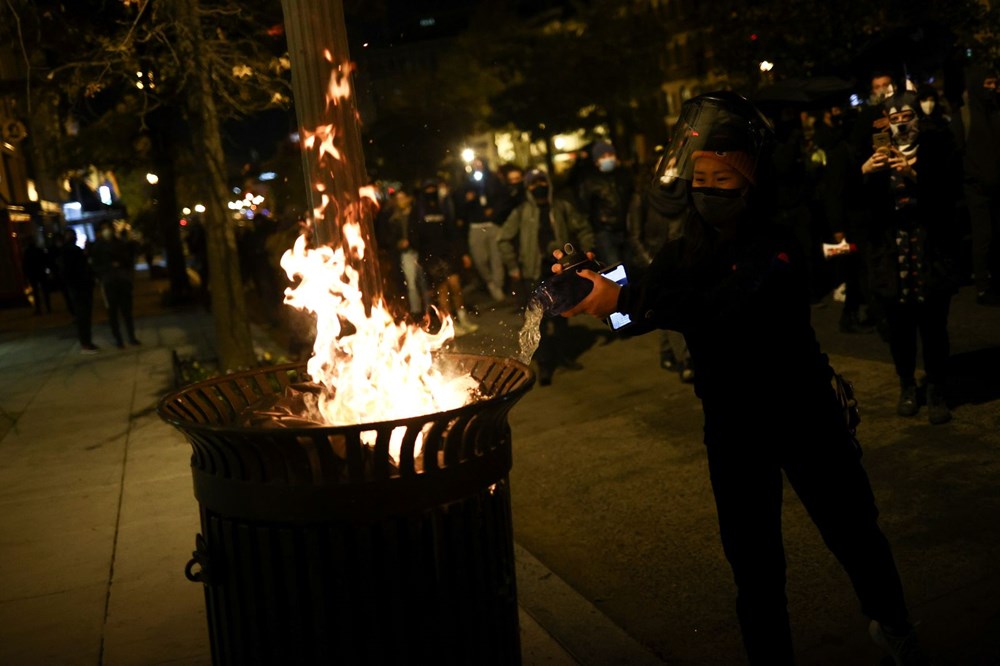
<point x="88" y="349"/>
<point x="904" y="649"/>
<point x="937" y="406"/>
<point x="907" y="401"/>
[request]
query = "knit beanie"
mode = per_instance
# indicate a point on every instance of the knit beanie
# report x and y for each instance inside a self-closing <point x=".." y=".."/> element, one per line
<point x="738" y="160"/>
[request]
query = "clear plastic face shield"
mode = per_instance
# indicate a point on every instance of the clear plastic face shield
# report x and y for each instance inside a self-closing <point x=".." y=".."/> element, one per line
<point x="707" y="123"/>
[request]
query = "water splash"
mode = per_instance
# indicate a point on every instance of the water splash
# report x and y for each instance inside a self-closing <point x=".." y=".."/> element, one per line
<point x="531" y="331"/>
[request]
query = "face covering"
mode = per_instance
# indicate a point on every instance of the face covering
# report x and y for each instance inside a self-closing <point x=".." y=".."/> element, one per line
<point x="607" y="165"/>
<point x="904" y="134"/>
<point x="717" y="206"/>
<point x="927" y="106"/>
<point x="541" y="192"/>
<point x="107" y="234"/>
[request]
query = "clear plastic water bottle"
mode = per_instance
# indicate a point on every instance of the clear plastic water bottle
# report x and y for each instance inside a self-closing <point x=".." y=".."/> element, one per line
<point x="565" y="289"/>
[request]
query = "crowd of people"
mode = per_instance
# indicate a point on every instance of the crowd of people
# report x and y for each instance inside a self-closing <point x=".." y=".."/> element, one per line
<point x="891" y="246"/>
<point x="108" y="262"/>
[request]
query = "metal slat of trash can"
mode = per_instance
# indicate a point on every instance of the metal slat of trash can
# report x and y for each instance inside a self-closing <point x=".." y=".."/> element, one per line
<point x="318" y="549"/>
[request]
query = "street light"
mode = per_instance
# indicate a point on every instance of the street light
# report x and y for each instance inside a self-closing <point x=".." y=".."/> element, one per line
<point x="766" y="66"/>
<point x="468" y="154"/>
<point x="198" y="208"/>
<point x="152" y="178"/>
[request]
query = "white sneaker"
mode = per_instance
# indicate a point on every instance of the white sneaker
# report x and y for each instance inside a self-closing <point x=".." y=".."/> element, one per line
<point x="904" y="650"/>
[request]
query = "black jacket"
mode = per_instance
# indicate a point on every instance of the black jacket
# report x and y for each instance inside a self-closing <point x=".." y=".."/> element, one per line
<point x="743" y="307"/>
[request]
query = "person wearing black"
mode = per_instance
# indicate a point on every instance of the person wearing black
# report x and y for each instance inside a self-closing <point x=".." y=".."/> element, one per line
<point x="911" y="192"/>
<point x="36" y="271"/>
<point x="532" y="231"/>
<point x="113" y="259"/>
<point x="734" y="284"/>
<point x="977" y="130"/>
<point x="78" y="279"/>
<point x="441" y="250"/>
<point x="605" y="195"/>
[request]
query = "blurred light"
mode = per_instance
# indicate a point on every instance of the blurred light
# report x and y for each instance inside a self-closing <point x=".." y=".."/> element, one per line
<point x="105" y="193"/>
<point x="138" y="84"/>
<point x="139" y="74"/>
<point x="559" y="143"/>
<point x="198" y="208"/>
<point x="365" y="45"/>
<point x="294" y="137"/>
<point x="183" y="222"/>
<point x="152" y="178"/>
<point x="855" y="100"/>
<point x="468" y="154"/>
<point x="766" y="66"/>
<point x="268" y="175"/>
<point x="73" y="205"/>
<point x="427" y="22"/>
<point x="236" y="190"/>
<point x="32" y="192"/>
<point x="477" y="176"/>
<point x="186" y="210"/>
<point x="753" y="37"/>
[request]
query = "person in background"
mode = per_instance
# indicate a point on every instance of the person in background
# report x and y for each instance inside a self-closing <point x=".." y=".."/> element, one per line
<point x="605" y="195"/>
<point x="977" y="130"/>
<point x="656" y="216"/>
<point x="79" y="279"/>
<point x="734" y="284"/>
<point x="911" y="192"/>
<point x="113" y="260"/>
<point x="533" y="230"/>
<point x="441" y="249"/>
<point x="478" y="209"/>
<point x="37" y="269"/>
<point x="513" y="178"/>
<point x="398" y="235"/>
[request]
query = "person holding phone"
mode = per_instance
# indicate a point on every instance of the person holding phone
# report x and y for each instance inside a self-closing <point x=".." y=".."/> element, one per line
<point x="911" y="193"/>
<point x="734" y="284"/>
<point x="531" y="232"/>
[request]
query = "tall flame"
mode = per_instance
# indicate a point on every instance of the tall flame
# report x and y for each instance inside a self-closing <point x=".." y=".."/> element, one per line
<point x="373" y="367"/>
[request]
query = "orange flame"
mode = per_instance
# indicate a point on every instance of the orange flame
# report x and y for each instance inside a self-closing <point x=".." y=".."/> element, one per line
<point x="372" y="367"/>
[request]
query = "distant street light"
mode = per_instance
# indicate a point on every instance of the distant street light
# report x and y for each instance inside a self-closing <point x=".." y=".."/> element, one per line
<point x="198" y="208"/>
<point x="152" y="178"/>
<point x="766" y="66"/>
<point x="468" y="154"/>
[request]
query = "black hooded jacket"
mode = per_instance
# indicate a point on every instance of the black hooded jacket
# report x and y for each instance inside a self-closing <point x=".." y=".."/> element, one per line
<point x="743" y="307"/>
<point x="980" y="140"/>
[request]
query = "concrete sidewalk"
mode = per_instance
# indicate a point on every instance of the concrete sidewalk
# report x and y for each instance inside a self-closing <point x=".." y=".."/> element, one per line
<point x="98" y="517"/>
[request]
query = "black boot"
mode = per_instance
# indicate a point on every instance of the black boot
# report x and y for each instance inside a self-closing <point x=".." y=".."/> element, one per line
<point x="907" y="400"/>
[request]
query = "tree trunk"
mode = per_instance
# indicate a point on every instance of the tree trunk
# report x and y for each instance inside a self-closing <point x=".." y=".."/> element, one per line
<point x="312" y="29"/>
<point x="234" y="344"/>
<point x="163" y="123"/>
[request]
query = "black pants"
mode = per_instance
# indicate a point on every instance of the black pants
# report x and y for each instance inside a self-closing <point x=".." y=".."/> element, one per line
<point x="82" y="300"/>
<point x="929" y="320"/>
<point x="823" y="466"/>
<point x="119" y="295"/>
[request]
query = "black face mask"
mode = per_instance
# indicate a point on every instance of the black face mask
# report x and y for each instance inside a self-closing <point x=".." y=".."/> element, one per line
<point x="717" y="206"/>
<point x="541" y="192"/>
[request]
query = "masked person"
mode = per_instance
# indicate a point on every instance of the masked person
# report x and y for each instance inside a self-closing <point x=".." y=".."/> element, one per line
<point x="911" y="192"/>
<point x="733" y="284"/>
<point x="538" y="226"/>
<point x="605" y="196"/>
<point x="977" y="130"/>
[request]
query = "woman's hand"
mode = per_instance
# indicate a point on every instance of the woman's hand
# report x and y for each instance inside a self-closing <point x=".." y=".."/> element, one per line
<point x="602" y="299"/>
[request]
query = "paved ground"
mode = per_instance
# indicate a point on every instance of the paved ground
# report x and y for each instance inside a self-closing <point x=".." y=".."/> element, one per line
<point x="618" y="553"/>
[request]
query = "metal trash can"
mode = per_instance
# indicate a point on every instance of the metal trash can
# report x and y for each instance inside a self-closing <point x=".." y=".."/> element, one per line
<point x="317" y="548"/>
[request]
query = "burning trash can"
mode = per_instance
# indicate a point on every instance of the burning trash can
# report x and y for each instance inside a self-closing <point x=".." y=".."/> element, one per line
<point x="377" y="543"/>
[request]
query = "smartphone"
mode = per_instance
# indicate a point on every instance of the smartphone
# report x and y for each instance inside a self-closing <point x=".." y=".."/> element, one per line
<point x="881" y="141"/>
<point x="616" y="273"/>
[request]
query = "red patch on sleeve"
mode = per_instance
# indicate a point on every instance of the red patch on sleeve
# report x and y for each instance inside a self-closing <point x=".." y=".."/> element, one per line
<point x="784" y="257"/>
